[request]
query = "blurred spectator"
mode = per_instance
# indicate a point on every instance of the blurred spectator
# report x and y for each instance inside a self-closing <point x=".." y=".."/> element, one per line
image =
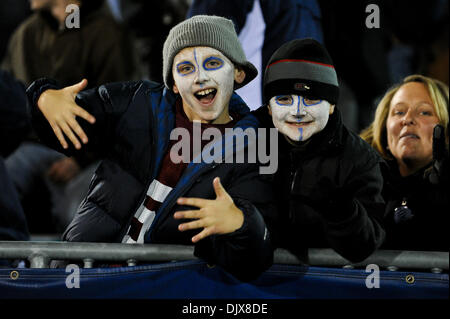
<point x="12" y="13"/>
<point x="263" y="26"/>
<point x="410" y="131"/>
<point x="412" y="38"/>
<point x="150" y="22"/>
<point x="14" y="122"/>
<point x="100" y="50"/>
<point x="44" y="46"/>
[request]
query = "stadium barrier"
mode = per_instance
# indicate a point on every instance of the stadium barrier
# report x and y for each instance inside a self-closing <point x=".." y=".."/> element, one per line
<point x="171" y="271"/>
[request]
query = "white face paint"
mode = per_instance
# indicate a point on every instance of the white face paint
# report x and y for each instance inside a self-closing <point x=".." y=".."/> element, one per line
<point x="299" y="118"/>
<point x="204" y="77"/>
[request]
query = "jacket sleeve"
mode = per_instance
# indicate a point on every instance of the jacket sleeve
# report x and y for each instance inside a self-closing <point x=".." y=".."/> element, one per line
<point x="106" y="103"/>
<point x="361" y="232"/>
<point x="14" y="120"/>
<point x="248" y="251"/>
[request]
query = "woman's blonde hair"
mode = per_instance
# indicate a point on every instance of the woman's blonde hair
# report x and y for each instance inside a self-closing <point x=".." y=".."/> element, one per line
<point x="375" y="134"/>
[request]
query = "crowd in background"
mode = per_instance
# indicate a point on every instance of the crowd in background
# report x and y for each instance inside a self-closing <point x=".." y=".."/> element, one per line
<point x="123" y="40"/>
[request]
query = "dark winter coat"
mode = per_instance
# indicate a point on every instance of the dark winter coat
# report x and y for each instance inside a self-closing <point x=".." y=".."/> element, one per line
<point x="100" y="50"/>
<point x="132" y="129"/>
<point x="14" y="125"/>
<point x="421" y="225"/>
<point x="345" y="216"/>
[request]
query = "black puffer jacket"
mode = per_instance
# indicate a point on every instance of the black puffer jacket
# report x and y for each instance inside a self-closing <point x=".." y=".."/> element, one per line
<point x="421" y="225"/>
<point x="132" y="129"/>
<point x="351" y="227"/>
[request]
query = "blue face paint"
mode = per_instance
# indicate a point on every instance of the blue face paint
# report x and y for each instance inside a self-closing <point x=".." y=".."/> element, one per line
<point x="196" y="62"/>
<point x="195" y="57"/>
<point x="212" y="68"/>
<point x="300" y="130"/>
<point x="308" y="105"/>
<point x="284" y="104"/>
<point x="180" y="66"/>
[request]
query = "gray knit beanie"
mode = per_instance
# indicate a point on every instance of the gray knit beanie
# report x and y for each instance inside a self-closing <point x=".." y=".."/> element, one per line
<point x="210" y="31"/>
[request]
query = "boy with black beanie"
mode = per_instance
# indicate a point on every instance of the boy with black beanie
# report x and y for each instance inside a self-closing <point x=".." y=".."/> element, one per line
<point x="328" y="183"/>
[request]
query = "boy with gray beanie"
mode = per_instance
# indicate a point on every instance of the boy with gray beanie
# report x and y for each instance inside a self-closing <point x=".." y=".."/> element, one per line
<point x="144" y="191"/>
<point x="329" y="182"/>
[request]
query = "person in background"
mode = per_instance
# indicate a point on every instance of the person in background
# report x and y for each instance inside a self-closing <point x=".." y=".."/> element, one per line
<point x="263" y="26"/>
<point x="329" y="180"/>
<point x="410" y="131"/>
<point x="14" y="124"/>
<point x="51" y="185"/>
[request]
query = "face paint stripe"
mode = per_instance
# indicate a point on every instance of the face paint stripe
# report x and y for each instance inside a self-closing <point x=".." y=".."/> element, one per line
<point x="300" y="130"/>
<point x="195" y="58"/>
<point x="198" y="66"/>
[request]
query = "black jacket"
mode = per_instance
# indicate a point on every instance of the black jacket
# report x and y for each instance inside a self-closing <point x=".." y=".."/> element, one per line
<point x="421" y="225"/>
<point x="14" y="118"/>
<point x="350" y="215"/>
<point x="14" y="125"/>
<point x="132" y="129"/>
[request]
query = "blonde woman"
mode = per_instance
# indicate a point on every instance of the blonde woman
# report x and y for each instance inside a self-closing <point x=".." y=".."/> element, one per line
<point x="410" y="131"/>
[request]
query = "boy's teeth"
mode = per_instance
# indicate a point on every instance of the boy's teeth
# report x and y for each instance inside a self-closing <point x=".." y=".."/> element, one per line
<point x="205" y="92"/>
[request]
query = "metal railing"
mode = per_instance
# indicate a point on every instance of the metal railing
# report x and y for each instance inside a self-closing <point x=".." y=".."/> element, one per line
<point x="40" y="253"/>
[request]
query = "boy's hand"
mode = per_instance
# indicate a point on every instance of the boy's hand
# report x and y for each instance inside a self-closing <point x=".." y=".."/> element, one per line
<point x="218" y="216"/>
<point x="60" y="110"/>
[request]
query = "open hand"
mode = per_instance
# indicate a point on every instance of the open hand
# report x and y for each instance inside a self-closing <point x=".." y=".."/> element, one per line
<point x="60" y="110"/>
<point x="441" y="156"/>
<point x="218" y="216"/>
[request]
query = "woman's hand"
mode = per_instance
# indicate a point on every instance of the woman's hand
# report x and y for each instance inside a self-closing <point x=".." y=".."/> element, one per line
<point x="441" y="158"/>
<point x="218" y="216"/>
<point x="60" y="110"/>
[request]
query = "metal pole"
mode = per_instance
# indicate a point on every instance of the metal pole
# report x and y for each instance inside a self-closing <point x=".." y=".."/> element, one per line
<point x="40" y="253"/>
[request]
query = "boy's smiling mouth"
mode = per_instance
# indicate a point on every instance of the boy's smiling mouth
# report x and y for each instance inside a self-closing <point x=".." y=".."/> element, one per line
<point x="206" y="96"/>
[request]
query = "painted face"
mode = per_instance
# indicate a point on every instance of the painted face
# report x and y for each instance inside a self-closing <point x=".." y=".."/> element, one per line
<point x="204" y="78"/>
<point x="299" y="118"/>
<point x="410" y="125"/>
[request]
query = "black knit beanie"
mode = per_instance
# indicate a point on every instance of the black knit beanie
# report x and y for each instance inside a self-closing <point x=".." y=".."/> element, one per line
<point x="301" y="67"/>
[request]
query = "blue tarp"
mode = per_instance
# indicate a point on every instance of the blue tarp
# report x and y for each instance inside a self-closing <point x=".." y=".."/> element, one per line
<point x="195" y="280"/>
